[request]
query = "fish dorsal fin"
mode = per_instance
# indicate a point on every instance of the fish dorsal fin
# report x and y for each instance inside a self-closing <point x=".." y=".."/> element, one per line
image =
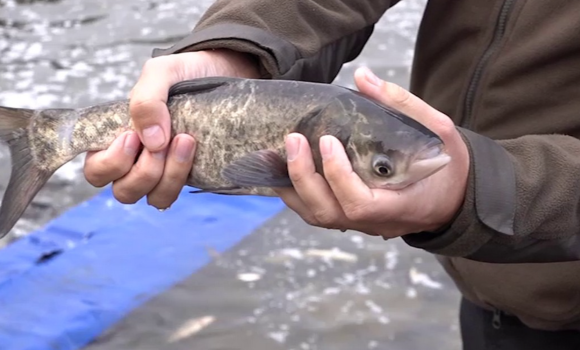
<point x="199" y="85"/>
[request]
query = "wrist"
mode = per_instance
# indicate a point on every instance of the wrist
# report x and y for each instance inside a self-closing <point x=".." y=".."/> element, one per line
<point x="237" y="64"/>
<point x="457" y="184"/>
<point x="443" y="222"/>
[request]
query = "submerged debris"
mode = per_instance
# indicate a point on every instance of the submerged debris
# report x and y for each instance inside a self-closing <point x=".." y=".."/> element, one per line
<point x="190" y="328"/>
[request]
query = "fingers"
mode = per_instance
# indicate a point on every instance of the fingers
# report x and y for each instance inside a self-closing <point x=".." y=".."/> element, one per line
<point x="148" y="104"/>
<point x="148" y="98"/>
<point x="294" y="202"/>
<point x="141" y="179"/>
<point x="151" y="175"/>
<point x="340" y="199"/>
<point x="401" y="99"/>
<point x="311" y="198"/>
<point x="177" y="168"/>
<point x="388" y="93"/>
<point x="351" y="192"/>
<point x="106" y="166"/>
<point x="159" y="177"/>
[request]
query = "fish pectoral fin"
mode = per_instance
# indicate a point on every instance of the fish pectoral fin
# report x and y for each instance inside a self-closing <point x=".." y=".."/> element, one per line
<point x="233" y="190"/>
<point x="264" y="168"/>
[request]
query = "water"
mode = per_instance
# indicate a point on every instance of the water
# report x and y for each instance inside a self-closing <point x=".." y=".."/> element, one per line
<point x="273" y="291"/>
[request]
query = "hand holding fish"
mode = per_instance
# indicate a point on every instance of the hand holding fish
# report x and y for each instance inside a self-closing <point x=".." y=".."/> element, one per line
<point x="239" y="126"/>
<point x="344" y="201"/>
<point x="161" y="170"/>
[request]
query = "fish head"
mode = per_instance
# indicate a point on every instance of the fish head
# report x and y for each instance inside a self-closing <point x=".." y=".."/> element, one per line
<point x="389" y="150"/>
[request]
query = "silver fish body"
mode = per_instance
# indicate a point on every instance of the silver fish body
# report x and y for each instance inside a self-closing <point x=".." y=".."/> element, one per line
<point x="239" y="126"/>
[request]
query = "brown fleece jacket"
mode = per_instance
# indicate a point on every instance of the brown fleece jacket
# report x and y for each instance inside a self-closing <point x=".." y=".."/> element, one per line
<point x="506" y="72"/>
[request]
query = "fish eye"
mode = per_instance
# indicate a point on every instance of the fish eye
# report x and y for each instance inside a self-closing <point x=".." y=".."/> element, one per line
<point x="382" y="165"/>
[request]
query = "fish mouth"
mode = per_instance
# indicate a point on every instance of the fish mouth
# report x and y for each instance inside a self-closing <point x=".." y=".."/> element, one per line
<point x="426" y="163"/>
<point x="430" y="152"/>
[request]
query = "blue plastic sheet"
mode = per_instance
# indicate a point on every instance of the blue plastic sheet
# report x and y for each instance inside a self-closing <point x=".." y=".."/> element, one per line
<point x="64" y="285"/>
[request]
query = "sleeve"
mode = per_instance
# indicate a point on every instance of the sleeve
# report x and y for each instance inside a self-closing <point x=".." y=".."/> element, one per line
<point x="292" y="39"/>
<point x="521" y="204"/>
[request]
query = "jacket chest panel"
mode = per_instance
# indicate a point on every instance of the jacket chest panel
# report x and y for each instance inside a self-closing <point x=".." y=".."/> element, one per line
<point x="517" y="74"/>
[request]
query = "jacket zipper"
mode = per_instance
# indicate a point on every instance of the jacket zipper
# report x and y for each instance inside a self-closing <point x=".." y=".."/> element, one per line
<point x="496" y="321"/>
<point x="468" y="102"/>
<point x="498" y="34"/>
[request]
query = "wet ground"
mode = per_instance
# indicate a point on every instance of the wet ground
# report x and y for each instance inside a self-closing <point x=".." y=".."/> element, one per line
<point x="288" y="286"/>
<point x="280" y="288"/>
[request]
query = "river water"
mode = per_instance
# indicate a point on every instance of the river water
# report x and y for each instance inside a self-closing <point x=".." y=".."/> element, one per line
<point x="71" y="53"/>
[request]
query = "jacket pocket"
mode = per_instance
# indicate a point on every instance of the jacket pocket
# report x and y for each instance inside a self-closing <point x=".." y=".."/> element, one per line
<point x="543" y="295"/>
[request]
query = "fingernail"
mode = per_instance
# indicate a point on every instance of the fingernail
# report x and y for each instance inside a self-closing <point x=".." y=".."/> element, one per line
<point x="183" y="150"/>
<point x="372" y="78"/>
<point x="292" y="147"/>
<point x="131" y="145"/>
<point x="153" y="136"/>
<point x="326" y="147"/>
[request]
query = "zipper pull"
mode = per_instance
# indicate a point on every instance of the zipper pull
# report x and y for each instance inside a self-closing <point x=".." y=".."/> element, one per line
<point x="496" y="322"/>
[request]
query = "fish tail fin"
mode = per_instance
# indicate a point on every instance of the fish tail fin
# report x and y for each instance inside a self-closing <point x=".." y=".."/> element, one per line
<point x="26" y="177"/>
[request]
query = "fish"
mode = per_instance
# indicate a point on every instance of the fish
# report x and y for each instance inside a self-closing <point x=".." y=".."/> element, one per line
<point x="332" y="254"/>
<point x="240" y="127"/>
<point x="190" y="328"/>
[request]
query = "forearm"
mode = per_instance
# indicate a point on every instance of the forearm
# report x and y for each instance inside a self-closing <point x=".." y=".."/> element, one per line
<point x="521" y="205"/>
<point x="293" y="39"/>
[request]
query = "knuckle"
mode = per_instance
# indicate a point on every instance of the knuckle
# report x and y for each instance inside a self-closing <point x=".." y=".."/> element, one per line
<point x="101" y="174"/>
<point x="95" y="180"/>
<point x="295" y="176"/>
<point x="325" y="218"/>
<point x="446" y="128"/>
<point x="139" y="106"/>
<point x="356" y="213"/>
<point x="147" y="174"/>
<point x="124" y="196"/>
<point x="150" y="64"/>
<point x="399" y="96"/>
<point x="93" y="175"/>
<point x="332" y="173"/>
<point x="113" y="168"/>
<point x="177" y="176"/>
<point x="310" y="220"/>
<point x="161" y="201"/>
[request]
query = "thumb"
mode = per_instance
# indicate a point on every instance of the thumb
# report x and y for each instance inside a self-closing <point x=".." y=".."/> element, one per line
<point x="148" y="101"/>
<point x="394" y="96"/>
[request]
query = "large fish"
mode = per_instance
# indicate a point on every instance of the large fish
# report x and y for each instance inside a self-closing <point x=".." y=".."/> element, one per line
<point x="239" y="126"/>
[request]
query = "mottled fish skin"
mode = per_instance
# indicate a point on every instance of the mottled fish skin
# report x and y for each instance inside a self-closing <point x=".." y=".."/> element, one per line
<point x="227" y="122"/>
<point x="60" y="135"/>
<point x="228" y="125"/>
<point x="239" y="125"/>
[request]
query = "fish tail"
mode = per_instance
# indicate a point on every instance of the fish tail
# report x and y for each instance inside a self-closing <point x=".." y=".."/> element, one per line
<point x="26" y="177"/>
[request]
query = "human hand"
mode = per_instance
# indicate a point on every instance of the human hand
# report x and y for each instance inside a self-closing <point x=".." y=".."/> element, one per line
<point x="343" y="201"/>
<point x="163" y="166"/>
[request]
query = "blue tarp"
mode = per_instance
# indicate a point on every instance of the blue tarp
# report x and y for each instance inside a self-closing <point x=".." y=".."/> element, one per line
<point x="64" y="285"/>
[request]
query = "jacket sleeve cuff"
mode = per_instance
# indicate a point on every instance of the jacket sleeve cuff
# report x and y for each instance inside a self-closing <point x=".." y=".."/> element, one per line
<point x="278" y="58"/>
<point x="489" y="205"/>
<point x="276" y="55"/>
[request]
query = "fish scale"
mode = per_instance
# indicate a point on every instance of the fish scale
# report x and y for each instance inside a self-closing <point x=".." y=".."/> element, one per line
<point x="239" y="126"/>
